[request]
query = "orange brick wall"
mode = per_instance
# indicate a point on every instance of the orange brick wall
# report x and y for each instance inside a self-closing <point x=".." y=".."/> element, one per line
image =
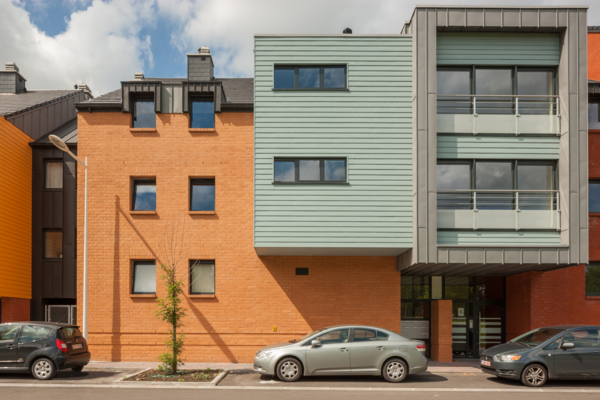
<point x="441" y="330"/>
<point x="254" y="295"/>
<point x="14" y="310"/>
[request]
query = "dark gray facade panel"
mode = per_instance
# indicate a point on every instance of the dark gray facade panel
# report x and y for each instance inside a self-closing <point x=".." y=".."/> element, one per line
<point x="188" y="88"/>
<point x="140" y="87"/>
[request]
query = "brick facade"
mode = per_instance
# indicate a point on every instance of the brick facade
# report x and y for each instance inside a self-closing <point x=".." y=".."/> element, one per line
<point x="258" y="300"/>
<point x="14" y="309"/>
<point x="441" y="330"/>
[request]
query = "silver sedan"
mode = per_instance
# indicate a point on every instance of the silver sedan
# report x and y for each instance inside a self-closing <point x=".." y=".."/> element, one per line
<point x="344" y="350"/>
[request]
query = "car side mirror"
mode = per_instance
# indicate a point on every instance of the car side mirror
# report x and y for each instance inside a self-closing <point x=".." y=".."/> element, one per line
<point x="568" y="345"/>
<point x="315" y="343"/>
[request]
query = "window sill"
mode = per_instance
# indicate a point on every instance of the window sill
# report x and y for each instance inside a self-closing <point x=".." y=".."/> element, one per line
<point x="202" y="212"/>
<point x="202" y="296"/>
<point x="142" y="130"/>
<point x="312" y="90"/>
<point x="201" y="130"/>
<point x="142" y="296"/>
<point x="142" y="212"/>
<point x="592" y="297"/>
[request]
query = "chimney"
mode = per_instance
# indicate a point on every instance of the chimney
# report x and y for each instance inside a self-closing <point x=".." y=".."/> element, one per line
<point x="200" y="66"/>
<point x="11" y="81"/>
<point x="347" y="31"/>
<point x="139" y="76"/>
<point x="85" y="88"/>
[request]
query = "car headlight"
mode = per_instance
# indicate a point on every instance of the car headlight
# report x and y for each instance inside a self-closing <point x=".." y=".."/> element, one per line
<point x="264" y="354"/>
<point x="508" y="357"/>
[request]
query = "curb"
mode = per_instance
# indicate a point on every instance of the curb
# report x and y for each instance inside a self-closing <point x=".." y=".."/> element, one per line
<point x="214" y="382"/>
<point x="219" y="377"/>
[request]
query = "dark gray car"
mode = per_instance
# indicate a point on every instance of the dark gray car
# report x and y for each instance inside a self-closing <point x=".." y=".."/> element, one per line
<point x="554" y="352"/>
<point x="42" y="348"/>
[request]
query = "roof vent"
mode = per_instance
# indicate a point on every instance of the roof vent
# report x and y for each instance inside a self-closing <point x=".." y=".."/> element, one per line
<point x="347" y="31"/>
<point x="139" y="76"/>
<point x="11" y="66"/>
<point x="204" y="50"/>
<point x="84" y="87"/>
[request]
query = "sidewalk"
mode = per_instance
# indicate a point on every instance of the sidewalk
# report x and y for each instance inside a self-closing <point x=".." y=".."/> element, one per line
<point x="463" y="366"/>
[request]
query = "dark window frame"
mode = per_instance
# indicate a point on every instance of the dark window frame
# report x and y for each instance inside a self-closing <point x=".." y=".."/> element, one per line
<point x="54" y="160"/>
<point x="321" y="180"/>
<point x="195" y="95"/>
<point x="593" y="182"/>
<point x="143" y="97"/>
<point x="44" y="231"/>
<point x="192" y="264"/>
<point x="321" y="67"/>
<point x="590" y="264"/>
<point x="142" y="180"/>
<point x="200" y="181"/>
<point x="133" y="269"/>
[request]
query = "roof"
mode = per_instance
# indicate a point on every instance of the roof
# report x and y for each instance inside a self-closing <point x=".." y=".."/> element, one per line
<point x="67" y="132"/>
<point x="237" y="91"/>
<point x="594" y="29"/>
<point x="11" y="104"/>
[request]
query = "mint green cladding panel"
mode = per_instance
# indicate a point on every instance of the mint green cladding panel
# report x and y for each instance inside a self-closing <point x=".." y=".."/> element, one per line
<point x="536" y="49"/>
<point x="370" y="124"/>
<point x="498" y="147"/>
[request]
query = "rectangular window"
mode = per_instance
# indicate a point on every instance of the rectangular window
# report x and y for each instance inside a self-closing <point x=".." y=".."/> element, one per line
<point x="202" y="194"/>
<point x="143" y="114"/>
<point x="202" y="277"/>
<point x="451" y="83"/>
<point x="144" y="277"/>
<point x="593" y="115"/>
<point x="594" y="196"/>
<point x="495" y="86"/>
<point x="310" y="170"/>
<point x="53" y="247"/>
<point x="143" y="195"/>
<point x="452" y="177"/>
<point x="592" y="279"/>
<point x="534" y="82"/>
<point x="202" y="112"/>
<point x="310" y="77"/>
<point x="54" y="175"/>
<point x="415" y="287"/>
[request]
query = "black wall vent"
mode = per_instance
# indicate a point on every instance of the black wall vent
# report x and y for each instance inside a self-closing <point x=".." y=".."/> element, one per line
<point x="301" y="271"/>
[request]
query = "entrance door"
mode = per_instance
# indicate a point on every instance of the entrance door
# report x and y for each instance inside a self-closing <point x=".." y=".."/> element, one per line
<point x="462" y="325"/>
<point x="476" y="326"/>
<point x="490" y="326"/>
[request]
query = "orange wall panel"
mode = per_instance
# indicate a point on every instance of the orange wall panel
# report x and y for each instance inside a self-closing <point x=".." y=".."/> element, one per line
<point x="594" y="56"/>
<point x="15" y="212"/>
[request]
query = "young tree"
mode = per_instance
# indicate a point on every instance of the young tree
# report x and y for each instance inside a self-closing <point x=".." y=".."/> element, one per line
<point x="173" y="252"/>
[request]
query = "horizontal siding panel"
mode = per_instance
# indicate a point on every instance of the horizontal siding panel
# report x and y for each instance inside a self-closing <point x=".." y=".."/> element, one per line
<point x="505" y="147"/>
<point x="498" y="48"/>
<point x="499" y="238"/>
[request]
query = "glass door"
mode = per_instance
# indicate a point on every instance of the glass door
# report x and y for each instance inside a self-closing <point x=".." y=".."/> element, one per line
<point x="490" y="318"/>
<point x="462" y="324"/>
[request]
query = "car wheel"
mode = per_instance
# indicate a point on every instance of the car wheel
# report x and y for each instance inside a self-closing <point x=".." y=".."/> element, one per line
<point x="77" y="369"/>
<point x="534" y="375"/>
<point x="395" y="370"/>
<point x="43" y="369"/>
<point x="289" y="370"/>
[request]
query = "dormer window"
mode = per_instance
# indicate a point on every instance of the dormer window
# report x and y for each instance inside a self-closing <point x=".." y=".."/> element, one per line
<point x="142" y="112"/>
<point x="202" y="112"/>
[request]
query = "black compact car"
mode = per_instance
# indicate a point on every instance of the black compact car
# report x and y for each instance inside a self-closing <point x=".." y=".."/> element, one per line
<point x="554" y="352"/>
<point x="42" y="348"/>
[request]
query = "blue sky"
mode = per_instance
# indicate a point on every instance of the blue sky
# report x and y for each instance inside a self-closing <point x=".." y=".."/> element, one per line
<point x="59" y="43"/>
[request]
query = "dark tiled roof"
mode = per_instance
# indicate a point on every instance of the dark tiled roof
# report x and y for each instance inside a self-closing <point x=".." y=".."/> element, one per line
<point x="593" y="28"/>
<point x="237" y="91"/>
<point x="15" y="103"/>
<point x="67" y="132"/>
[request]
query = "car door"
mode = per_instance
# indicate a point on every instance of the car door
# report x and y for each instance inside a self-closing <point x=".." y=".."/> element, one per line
<point x="332" y="356"/>
<point x="8" y="346"/>
<point x="368" y="349"/>
<point x="583" y="359"/>
<point x="32" y="338"/>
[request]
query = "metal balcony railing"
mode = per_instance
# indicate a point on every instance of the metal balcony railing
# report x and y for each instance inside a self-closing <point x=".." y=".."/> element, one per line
<point x="498" y="209"/>
<point x="498" y="114"/>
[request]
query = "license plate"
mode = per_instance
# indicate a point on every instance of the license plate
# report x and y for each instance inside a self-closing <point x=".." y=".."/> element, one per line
<point x="486" y="363"/>
<point x="77" y="346"/>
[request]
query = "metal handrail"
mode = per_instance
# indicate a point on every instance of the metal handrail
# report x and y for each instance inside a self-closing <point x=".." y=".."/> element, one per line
<point x="495" y="190"/>
<point x="498" y="95"/>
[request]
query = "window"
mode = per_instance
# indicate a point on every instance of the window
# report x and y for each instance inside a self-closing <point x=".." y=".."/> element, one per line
<point x="143" y="115"/>
<point x="202" y="277"/>
<point x="53" y="244"/>
<point x="491" y="83"/>
<point x="414" y="310"/>
<point x="8" y="332"/>
<point x="535" y="83"/>
<point x="202" y="112"/>
<point x="593" y="115"/>
<point x="535" y="176"/>
<point x="415" y="287"/>
<point x="144" y="195"/>
<point x="202" y="194"/>
<point x="457" y="287"/>
<point x="54" y="175"/>
<point x="32" y="333"/>
<point x="310" y="77"/>
<point x="310" y="170"/>
<point x="583" y="338"/>
<point x="452" y="177"/>
<point x="452" y="82"/>
<point x="592" y="279"/>
<point x="365" y="335"/>
<point x="494" y="176"/>
<point x="144" y="277"/>
<point x="332" y="337"/>
<point x="69" y="333"/>
<point x="382" y="336"/>
<point x="594" y="196"/>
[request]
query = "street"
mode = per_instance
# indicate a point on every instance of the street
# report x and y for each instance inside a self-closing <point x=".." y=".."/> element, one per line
<point x="464" y="386"/>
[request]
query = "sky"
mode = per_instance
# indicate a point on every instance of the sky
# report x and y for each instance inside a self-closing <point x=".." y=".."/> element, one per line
<point x="59" y="43"/>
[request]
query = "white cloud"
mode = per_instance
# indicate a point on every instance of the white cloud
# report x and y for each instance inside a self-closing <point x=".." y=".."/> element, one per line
<point x="101" y="45"/>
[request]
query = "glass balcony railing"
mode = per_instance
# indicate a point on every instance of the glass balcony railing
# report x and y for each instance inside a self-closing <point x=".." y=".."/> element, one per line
<point x="498" y="209"/>
<point x="511" y="115"/>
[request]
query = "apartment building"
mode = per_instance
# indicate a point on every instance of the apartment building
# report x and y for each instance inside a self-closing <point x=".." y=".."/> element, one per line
<point x="37" y="200"/>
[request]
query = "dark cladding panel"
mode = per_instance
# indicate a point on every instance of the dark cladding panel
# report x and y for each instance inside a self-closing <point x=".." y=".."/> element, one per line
<point x="129" y="89"/>
<point x="57" y="279"/>
<point x="68" y="272"/>
<point x="57" y="210"/>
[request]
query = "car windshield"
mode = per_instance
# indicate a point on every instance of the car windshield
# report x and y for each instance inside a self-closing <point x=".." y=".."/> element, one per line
<point x="536" y="337"/>
<point x="306" y="336"/>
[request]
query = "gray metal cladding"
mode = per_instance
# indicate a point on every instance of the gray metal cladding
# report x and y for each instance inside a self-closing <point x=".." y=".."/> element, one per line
<point x="215" y="88"/>
<point x="200" y="67"/>
<point x="131" y="89"/>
